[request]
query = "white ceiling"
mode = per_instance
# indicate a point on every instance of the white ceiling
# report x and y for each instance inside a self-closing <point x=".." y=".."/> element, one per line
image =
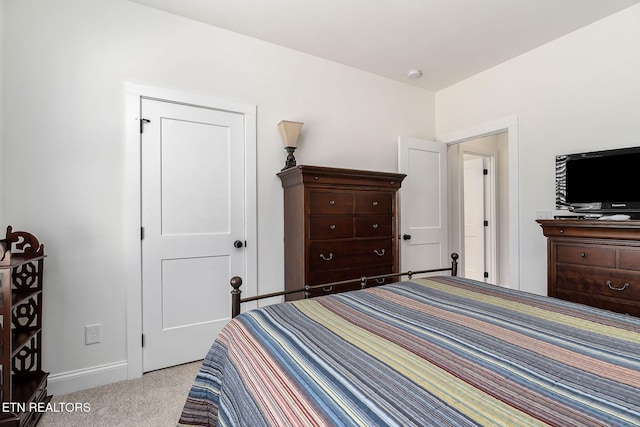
<point x="448" y="40"/>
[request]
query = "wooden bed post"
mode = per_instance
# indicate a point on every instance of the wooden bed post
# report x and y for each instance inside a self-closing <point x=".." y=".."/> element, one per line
<point x="236" y="282"/>
<point x="454" y="264"/>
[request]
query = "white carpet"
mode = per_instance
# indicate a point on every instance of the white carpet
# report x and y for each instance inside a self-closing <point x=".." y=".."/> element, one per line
<point x="155" y="400"/>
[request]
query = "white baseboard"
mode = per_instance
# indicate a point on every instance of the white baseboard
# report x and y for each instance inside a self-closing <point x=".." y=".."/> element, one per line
<point x="68" y="382"/>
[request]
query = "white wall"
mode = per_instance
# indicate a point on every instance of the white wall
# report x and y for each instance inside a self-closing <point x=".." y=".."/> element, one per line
<point x="66" y="64"/>
<point x="578" y="93"/>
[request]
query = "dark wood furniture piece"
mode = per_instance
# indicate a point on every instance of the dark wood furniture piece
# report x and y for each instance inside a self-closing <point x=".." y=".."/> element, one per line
<point x="24" y="384"/>
<point x="339" y="224"/>
<point x="595" y="263"/>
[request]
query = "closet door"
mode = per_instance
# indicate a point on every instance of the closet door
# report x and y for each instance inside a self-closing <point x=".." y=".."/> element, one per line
<point x="423" y="205"/>
<point x="192" y="213"/>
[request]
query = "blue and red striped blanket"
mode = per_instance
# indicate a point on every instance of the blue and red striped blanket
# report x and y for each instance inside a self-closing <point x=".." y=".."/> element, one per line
<point x="431" y="352"/>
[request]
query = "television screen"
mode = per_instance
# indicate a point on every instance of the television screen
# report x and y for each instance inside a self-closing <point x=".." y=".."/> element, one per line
<point x="610" y="178"/>
<point x="604" y="179"/>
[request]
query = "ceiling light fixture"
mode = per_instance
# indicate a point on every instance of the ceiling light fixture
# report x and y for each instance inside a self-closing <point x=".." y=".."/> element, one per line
<point x="414" y="73"/>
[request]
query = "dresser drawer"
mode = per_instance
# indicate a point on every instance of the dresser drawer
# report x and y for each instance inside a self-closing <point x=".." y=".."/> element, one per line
<point x="591" y="255"/>
<point x="601" y="281"/>
<point x="321" y="277"/>
<point x="373" y="226"/>
<point x="350" y="253"/>
<point x="629" y="259"/>
<point x="330" y="227"/>
<point x="373" y="202"/>
<point x="325" y="202"/>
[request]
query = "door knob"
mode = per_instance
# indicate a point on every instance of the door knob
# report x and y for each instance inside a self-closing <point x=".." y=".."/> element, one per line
<point x="238" y="244"/>
<point x="406" y="237"/>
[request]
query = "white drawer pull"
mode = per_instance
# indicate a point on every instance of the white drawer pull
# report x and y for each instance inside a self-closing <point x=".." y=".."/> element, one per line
<point x="375" y="251"/>
<point x="332" y="202"/>
<point x="329" y="258"/>
<point x="375" y="203"/>
<point x="375" y="226"/>
<point x="332" y="226"/>
<point x="622" y="288"/>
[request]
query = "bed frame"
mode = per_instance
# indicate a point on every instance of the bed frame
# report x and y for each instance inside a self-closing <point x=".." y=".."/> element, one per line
<point x="236" y="283"/>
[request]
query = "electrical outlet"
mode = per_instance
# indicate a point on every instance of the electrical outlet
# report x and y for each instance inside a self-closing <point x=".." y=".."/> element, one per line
<point x="92" y="334"/>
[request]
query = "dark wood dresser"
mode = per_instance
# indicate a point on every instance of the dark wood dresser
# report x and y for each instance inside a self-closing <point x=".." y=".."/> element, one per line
<point x="339" y="224"/>
<point x="594" y="262"/>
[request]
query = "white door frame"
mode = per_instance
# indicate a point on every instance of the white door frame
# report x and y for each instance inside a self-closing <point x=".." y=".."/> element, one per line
<point x="132" y="202"/>
<point x="510" y="125"/>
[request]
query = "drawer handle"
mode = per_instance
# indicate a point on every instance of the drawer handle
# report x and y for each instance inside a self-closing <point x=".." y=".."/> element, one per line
<point x="327" y="288"/>
<point x="332" y="226"/>
<point x="332" y="202"/>
<point x="380" y="281"/>
<point x="375" y="251"/>
<point x="622" y="288"/>
<point x="583" y="255"/>
<point x="375" y="203"/>
<point x="329" y="258"/>
<point x="375" y="225"/>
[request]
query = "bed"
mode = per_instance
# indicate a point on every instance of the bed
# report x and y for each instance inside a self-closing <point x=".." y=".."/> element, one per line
<point x="437" y="351"/>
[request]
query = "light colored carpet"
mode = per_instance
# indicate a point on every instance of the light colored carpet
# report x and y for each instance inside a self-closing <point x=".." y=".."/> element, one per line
<point x="155" y="400"/>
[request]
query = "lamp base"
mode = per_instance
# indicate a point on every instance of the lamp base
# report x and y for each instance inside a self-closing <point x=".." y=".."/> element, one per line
<point x="290" y="161"/>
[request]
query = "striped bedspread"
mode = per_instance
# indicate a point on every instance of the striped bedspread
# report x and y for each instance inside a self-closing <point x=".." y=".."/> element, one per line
<point x="439" y="352"/>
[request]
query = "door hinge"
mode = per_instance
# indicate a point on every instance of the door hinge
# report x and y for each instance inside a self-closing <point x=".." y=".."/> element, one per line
<point x="142" y="122"/>
<point x="141" y="233"/>
<point x="143" y="340"/>
<point x="485" y="171"/>
<point x="486" y="223"/>
<point x="486" y="274"/>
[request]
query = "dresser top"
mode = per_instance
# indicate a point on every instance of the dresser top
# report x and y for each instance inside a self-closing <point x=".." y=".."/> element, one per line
<point x="321" y="175"/>
<point x="588" y="223"/>
<point x="626" y="230"/>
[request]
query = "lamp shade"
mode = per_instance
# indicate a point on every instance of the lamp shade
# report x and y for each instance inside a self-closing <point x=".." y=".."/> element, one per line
<point x="290" y="132"/>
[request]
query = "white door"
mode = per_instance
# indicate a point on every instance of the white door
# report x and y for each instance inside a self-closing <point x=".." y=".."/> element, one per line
<point x="423" y="205"/>
<point x="474" y="229"/>
<point x="192" y="212"/>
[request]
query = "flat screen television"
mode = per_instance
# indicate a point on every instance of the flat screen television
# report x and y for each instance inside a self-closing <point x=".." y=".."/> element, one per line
<point x="599" y="181"/>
